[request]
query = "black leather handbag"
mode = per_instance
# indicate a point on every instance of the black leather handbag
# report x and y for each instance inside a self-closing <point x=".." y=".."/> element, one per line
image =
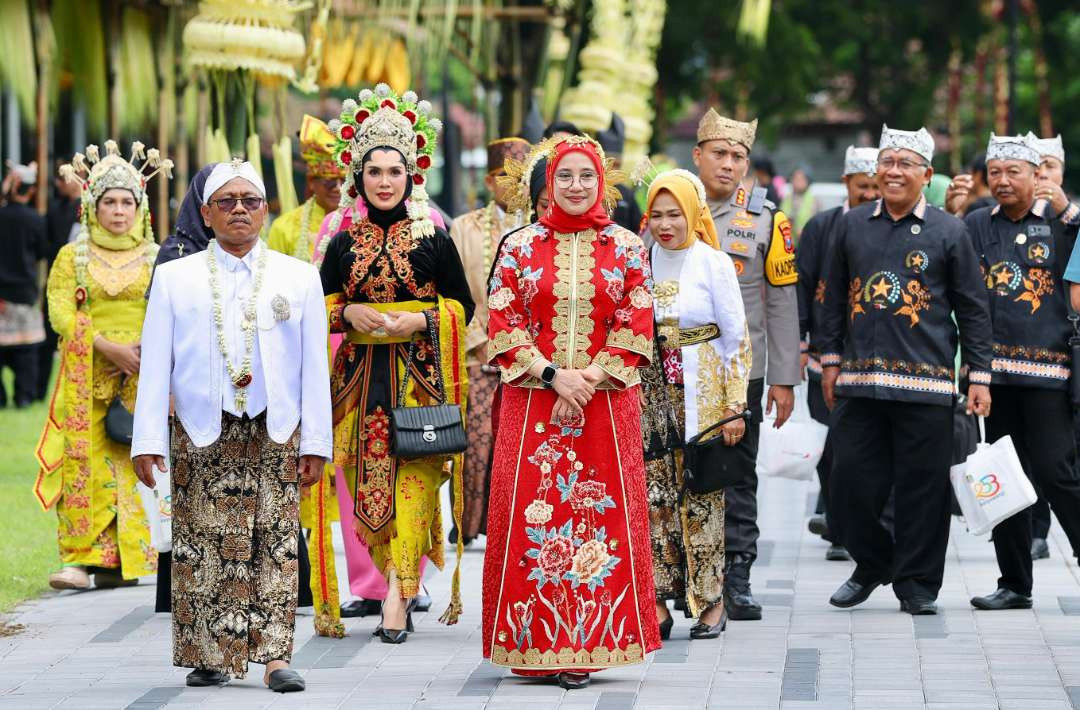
<point x="426" y="431"/>
<point x="119" y="422"/>
<point x="709" y="466"/>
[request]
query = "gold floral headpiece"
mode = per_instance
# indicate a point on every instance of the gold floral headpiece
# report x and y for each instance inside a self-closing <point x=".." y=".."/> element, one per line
<point x="519" y="173"/>
<point x="98" y="174"/>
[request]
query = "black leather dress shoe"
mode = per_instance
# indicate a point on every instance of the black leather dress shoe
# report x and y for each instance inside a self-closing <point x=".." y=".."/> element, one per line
<point x="665" y="628"/>
<point x="919" y="607"/>
<point x="201" y="678"/>
<point x="818" y="526"/>
<point x="1039" y="549"/>
<point x="360" y="608"/>
<point x="573" y="681"/>
<point x="852" y="593"/>
<point x="1001" y="599"/>
<point x="837" y="553"/>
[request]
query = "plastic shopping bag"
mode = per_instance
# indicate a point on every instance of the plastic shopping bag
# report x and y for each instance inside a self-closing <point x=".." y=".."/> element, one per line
<point x="793" y="450"/>
<point x="157" y="502"/>
<point x="991" y="485"/>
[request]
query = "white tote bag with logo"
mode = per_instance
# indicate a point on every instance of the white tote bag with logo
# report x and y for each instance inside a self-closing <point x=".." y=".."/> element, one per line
<point x="793" y="450"/>
<point x="991" y="485"/>
<point x="157" y="502"/>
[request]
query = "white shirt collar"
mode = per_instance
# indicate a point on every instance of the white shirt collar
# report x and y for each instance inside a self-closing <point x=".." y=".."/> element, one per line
<point x="231" y="263"/>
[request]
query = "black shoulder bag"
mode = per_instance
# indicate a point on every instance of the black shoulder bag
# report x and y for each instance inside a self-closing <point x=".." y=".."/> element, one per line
<point x="426" y="431"/>
<point x="119" y="422"/>
<point x="709" y="466"/>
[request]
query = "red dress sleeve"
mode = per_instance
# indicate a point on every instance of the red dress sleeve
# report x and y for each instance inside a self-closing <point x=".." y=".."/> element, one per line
<point x="629" y="343"/>
<point x="510" y="344"/>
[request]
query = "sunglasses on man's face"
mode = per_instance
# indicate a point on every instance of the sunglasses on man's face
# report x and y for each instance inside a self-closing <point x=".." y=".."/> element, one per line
<point x="228" y="204"/>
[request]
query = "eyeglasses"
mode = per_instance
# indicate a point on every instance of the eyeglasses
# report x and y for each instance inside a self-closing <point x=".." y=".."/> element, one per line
<point x="228" y="204"/>
<point x="587" y="179"/>
<point x="903" y="163"/>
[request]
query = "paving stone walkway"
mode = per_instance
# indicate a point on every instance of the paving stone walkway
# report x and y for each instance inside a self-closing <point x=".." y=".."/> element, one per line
<point x="109" y="650"/>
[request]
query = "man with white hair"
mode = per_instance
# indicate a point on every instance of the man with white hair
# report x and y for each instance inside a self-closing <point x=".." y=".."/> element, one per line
<point x="1023" y="246"/>
<point x="904" y="277"/>
<point x="237" y="335"/>
<point x="811" y="260"/>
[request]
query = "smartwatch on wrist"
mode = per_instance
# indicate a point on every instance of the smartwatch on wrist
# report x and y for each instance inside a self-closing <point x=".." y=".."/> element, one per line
<point x="548" y="375"/>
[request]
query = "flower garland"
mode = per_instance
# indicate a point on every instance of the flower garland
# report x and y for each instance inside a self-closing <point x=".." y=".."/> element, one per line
<point x="302" y="250"/>
<point x="240" y="377"/>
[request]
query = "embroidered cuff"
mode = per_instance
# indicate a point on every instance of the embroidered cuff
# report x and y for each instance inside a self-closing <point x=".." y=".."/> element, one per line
<point x="523" y="360"/>
<point x="830" y="360"/>
<point x="627" y="339"/>
<point x="617" y="369"/>
<point x="979" y="377"/>
<point x="506" y="340"/>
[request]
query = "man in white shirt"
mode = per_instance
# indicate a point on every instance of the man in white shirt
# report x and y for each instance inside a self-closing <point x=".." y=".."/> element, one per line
<point x="237" y="335"/>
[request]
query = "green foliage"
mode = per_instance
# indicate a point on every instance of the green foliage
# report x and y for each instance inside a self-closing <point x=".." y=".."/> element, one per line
<point x="29" y="552"/>
<point x="81" y="52"/>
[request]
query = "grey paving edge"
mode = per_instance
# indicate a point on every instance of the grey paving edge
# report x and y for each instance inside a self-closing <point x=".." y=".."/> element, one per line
<point x="1073" y="691"/>
<point x="616" y="700"/>
<point x="931" y="626"/>
<point x="483" y="681"/>
<point x="673" y="651"/>
<point x="155" y="698"/>
<point x="1070" y="606"/>
<point x="800" y="679"/>
<point x="119" y="629"/>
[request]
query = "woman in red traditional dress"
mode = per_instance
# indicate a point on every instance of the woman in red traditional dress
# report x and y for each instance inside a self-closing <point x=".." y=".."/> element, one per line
<point x="568" y="583"/>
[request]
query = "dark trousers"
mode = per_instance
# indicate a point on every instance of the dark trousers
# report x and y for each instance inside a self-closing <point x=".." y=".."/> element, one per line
<point x="740" y="501"/>
<point x="879" y="445"/>
<point x="1040" y="422"/>
<point x="815" y="400"/>
<point x="46" y="353"/>
<point x="1040" y="512"/>
<point x="22" y="360"/>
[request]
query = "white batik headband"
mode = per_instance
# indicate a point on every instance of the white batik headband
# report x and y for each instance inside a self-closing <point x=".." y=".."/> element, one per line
<point x="1011" y="148"/>
<point x="919" y="142"/>
<point x="224" y="172"/>
<point x="860" y="160"/>
<point x="1048" y="147"/>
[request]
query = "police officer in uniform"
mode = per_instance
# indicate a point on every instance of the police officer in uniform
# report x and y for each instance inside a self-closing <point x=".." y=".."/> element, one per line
<point x="904" y="278"/>
<point x="811" y="258"/>
<point x="1022" y="243"/>
<point x="758" y="239"/>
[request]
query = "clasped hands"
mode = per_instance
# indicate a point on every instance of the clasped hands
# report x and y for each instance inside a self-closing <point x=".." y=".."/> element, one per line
<point x="399" y="324"/>
<point x="310" y="469"/>
<point x="575" y="389"/>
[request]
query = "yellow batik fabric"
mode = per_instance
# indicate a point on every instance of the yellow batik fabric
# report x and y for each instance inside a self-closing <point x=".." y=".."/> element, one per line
<point x="87" y="477"/>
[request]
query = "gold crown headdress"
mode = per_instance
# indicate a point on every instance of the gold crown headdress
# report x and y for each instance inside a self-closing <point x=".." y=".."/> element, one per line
<point x="519" y="173"/>
<point x="99" y="174"/>
<point x="382" y="118"/>
<point x="714" y="127"/>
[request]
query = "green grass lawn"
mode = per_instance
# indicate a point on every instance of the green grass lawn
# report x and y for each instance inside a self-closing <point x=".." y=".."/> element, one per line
<point x="27" y="533"/>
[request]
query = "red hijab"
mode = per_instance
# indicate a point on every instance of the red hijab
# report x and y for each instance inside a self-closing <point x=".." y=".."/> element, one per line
<point x="596" y="217"/>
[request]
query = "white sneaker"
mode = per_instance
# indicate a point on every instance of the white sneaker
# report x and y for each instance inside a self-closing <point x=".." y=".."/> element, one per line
<point x="70" y="578"/>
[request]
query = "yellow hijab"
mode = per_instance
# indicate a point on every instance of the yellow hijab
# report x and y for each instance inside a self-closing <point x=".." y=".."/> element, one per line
<point x="118" y="242"/>
<point x="688" y="191"/>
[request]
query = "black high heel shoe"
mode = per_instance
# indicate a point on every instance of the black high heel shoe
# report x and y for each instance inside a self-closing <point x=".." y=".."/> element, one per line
<point x="573" y="681"/>
<point x="665" y="628"/>
<point x="702" y="630"/>
<point x="397" y="636"/>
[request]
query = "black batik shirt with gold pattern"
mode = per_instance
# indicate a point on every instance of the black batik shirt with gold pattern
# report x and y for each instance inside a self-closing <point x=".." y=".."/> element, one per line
<point x="1022" y="273"/>
<point x="895" y="293"/>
